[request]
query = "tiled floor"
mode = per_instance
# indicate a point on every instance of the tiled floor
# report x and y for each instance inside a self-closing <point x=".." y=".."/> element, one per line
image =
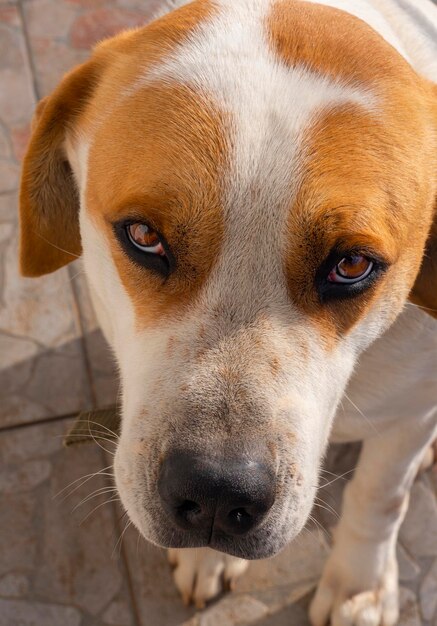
<point x="60" y="566"/>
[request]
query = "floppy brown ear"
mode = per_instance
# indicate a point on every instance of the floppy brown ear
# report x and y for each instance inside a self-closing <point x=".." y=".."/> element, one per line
<point x="424" y="292"/>
<point x="49" y="203"/>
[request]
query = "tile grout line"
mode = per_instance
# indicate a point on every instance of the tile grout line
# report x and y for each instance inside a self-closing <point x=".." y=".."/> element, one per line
<point x="135" y="608"/>
<point x="134" y="603"/>
<point x="37" y="422"/>
<point x="86" y="353"/>
<point x="29" y="54"/>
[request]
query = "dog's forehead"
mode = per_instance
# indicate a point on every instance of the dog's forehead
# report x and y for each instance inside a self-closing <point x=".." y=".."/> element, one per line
<point x="234" y="57"/>
<point x="228" y="82"/>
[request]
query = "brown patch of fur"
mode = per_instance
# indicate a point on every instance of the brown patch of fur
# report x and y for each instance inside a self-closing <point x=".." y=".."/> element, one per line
<point x="49" y="201"/>
<point x="334" y="43"/>
<point x="369" y="177"/>
<point x="424" y="292"/>
<point x="170" y="179"/>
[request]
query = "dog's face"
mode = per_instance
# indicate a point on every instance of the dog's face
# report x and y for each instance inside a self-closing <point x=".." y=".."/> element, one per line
<point x="255" y="199"/>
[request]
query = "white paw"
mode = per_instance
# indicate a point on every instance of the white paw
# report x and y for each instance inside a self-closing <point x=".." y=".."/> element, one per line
<point x="200" y="573"/>
<point x="339" y="602"/>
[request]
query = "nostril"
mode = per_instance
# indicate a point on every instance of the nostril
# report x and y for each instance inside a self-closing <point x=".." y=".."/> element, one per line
<point x="188" y="507"/>
<point x="239" y="515"/>
<point x="239" y="520"/>
<point x="190" y="514"/>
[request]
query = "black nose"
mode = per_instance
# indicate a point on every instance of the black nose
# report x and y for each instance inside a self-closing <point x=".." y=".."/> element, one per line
<point x="228" y="495"/>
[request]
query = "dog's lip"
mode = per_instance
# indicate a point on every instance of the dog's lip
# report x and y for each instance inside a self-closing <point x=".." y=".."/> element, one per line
<point x="245" y="549"/>
<point x="251" y="547"/>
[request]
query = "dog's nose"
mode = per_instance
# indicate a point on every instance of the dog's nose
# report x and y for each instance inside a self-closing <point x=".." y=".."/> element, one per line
<point x="229" y="495"/>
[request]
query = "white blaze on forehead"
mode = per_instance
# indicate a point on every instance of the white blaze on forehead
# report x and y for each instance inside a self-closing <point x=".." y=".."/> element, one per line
<point x="230" y="57"/>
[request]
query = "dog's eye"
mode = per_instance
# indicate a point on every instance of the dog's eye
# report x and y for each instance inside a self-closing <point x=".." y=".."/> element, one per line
<point x="351" y="269"/>
<point x="145" y="238"/>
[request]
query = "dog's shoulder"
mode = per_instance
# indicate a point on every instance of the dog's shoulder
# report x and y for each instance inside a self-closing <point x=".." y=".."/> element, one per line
<point x="395" y="379"/>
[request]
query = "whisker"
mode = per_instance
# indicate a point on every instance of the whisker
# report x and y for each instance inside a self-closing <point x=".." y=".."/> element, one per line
<point x="420" y="306"/>
<point x="85" y="481"/>
<point x="98" y="507"/>
<point x="86" y="434"/>
<point x="331" y="482"/>
<point x="77" y="256"/>
<point x="138" y="542"/>
<point x="90" y="436"/>
<point x="319" y="526"/>
<point x="107" y="451"/>
<point x="327" y="507"/>
<point x="95" y="494"/>
<point x="120" y="540"/>
<point x="84" y="478"/>
<point x="369" y="422"/>
<point x="325" y="471"/>
<point x="87" y="422"/>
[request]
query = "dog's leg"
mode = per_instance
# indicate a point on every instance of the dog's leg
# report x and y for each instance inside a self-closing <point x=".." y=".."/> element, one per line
<point x="359" y="586"/>
<point x="201" y="573"/>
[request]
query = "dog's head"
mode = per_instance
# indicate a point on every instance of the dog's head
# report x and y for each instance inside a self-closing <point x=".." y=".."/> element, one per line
<point x="253" y="194"/>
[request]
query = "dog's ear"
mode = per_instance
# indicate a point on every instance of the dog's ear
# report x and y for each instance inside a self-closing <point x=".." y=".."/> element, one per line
<point x="49" y="203"/>
<point x="424" y="292"/>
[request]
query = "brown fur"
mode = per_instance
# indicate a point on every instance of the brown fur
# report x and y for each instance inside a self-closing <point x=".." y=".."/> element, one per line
<point x="170" y="180"/>
<point x="49" y="201"/>
<point x="369" y="177"/>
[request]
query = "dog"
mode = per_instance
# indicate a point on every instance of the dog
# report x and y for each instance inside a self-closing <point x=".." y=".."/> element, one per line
<point x="252" y="185"/>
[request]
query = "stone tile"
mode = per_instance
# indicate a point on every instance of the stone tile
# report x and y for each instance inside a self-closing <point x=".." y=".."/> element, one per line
<point x="118" y="614"/>
<point x="419" y="530"/>
<point x="8" y="12"/>
<point x="409" y="569"/>
<point x="20" y="136"/>
<point x="13" y="613"/>
<point x="301" y="561"/>
<point x="428" y="593"/>
<point x="243" y="609"/>
<point x="14" y="585"/>
<point x="8" y="206"/>
<point x="16" y="95"/>
<point x="42" y="366"/>
<point x="103" y="370"/>
<point x="233" y="610"/>
<point x="409" y="611"/>
<point x="156" y="596"/>
<point x="54" y="570"/>
<point x="61" y="32"/>
<point x="270" y="587"/>
<point x="100" y="23"/>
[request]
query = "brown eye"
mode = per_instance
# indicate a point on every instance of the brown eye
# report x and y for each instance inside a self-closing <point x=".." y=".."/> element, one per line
<point x="351" y="269"/>
<point x="145" y="238"/>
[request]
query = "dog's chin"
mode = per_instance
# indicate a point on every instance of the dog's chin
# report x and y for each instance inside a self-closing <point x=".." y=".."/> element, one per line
<point x="262" y="545"/>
